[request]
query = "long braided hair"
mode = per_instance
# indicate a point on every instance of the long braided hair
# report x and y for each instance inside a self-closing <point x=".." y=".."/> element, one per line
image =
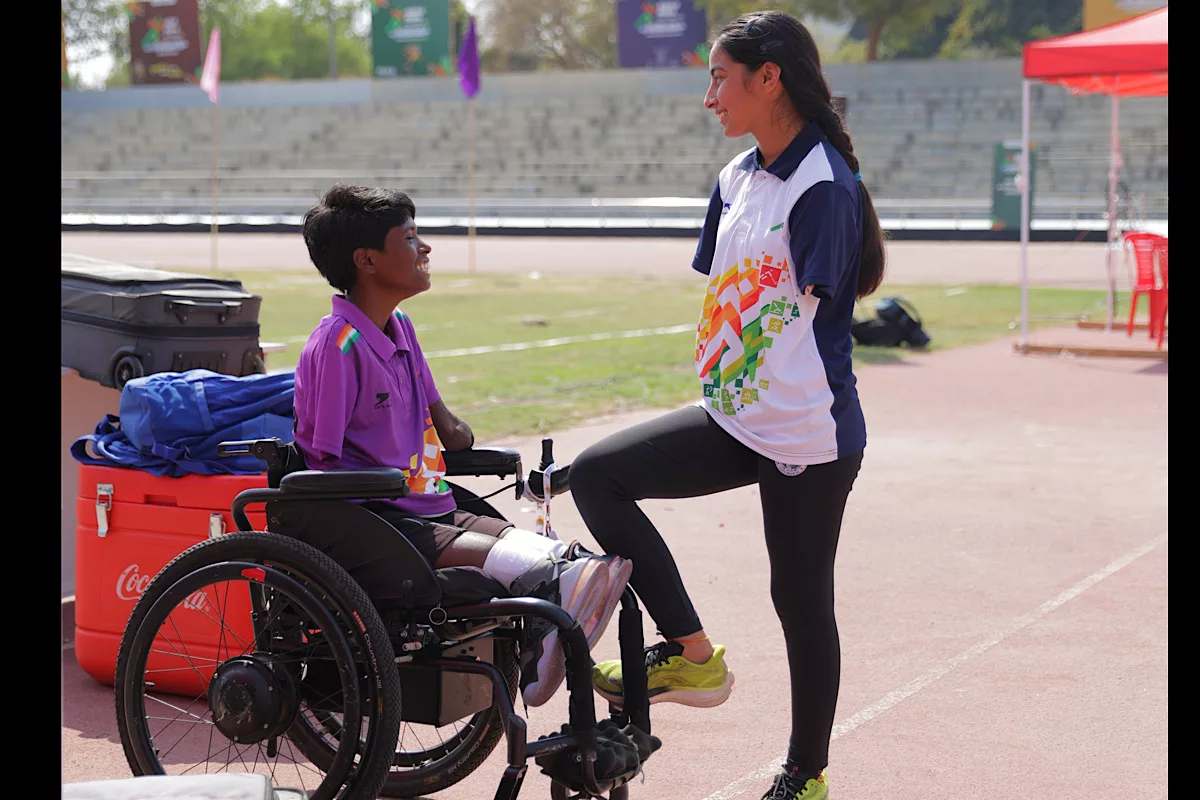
<point x="756" y="38"/>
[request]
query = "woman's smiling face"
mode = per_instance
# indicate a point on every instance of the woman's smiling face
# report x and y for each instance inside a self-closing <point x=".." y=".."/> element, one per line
<point x="729" y="95"/>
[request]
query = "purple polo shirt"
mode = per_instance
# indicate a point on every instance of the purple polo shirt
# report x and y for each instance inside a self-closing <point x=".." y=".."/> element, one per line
<point x="362" y="398"/>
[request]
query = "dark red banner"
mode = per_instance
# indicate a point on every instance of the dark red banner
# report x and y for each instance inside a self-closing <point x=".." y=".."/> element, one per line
<point x="164" y="41"/>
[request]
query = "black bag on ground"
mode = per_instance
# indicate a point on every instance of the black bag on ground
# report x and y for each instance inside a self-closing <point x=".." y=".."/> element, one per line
<point x="896" y="323"/>
<point x="121" y="322"/>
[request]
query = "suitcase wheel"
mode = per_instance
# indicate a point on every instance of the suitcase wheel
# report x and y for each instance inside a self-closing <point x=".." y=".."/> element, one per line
<point x="126" y="369"/>
<point x="253" y="364"/>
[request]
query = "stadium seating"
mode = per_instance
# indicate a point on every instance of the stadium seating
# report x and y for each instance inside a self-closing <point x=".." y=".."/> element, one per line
<point x="922" y="131"/>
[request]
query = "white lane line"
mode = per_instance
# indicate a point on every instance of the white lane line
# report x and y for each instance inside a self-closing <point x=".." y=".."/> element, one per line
<point x="591" y="337"/>
<point x="756" y="780"/>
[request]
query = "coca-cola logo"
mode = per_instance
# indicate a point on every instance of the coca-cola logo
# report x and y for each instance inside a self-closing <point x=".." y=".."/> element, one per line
<point x="131" y="584"/>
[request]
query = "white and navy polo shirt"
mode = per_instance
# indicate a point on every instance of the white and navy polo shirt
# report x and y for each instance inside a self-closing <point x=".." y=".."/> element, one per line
<point x="773" y="362"/>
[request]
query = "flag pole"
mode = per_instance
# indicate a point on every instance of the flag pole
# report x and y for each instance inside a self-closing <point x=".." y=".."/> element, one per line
<point x="210" y="82"/>
<point x="215" y="161"/>
<point x="468" y="79"/>
<point x="471" y="185"/>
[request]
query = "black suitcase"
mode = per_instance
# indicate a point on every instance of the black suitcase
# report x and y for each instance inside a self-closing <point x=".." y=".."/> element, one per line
<point x="121" y="322"/>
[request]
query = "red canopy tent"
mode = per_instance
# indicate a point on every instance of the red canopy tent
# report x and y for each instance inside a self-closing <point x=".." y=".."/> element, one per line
<point x="1126" y="59"/>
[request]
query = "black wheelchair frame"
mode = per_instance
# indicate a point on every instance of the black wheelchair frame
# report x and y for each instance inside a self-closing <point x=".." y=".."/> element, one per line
<point x="291" y="489"/>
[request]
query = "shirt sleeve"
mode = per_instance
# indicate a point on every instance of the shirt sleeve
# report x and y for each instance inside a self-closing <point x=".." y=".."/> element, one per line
<point x="702" y="261"/>
<point x="326" y="400"/>
<point x="824" y="235"/>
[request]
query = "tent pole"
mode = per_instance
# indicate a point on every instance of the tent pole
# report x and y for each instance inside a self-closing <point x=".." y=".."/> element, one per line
<point x="1114" y="168"/>
<point x="1025" y="111"/>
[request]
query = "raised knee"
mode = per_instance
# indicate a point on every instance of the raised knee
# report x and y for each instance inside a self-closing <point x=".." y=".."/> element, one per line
<point x="586" y="473"/>
<point x="596" y="475"/>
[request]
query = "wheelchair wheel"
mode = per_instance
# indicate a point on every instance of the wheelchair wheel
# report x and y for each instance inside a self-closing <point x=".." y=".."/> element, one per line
<point x="428" y="758"/>
<point x="202" y="687"/>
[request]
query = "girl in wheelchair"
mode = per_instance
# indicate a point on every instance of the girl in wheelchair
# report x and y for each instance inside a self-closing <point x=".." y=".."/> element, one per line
<point x="365" y="397"/>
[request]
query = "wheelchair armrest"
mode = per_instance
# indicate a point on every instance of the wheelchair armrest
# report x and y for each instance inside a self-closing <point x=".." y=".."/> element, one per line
<point x="356" y="484"/>
<point x="499" y="461"/>
<point x="272" y="451"/>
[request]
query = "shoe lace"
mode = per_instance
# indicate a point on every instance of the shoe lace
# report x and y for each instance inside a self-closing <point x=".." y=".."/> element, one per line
<point x="780" y="790"/>
<point x="655" y="655"/>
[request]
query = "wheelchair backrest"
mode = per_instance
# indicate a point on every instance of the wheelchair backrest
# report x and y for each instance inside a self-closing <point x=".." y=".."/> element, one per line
<point x="345" y="531"/>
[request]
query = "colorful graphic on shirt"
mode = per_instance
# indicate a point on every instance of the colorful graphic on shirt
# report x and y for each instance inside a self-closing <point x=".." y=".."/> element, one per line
<point x="731" y="345"/>
<point x="347" y="338"/>
<point x="427" y="470"/>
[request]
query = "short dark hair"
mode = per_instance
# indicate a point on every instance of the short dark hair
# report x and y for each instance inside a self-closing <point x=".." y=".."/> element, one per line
<point x="347" y="218"/>
<point x="761" y="36"/>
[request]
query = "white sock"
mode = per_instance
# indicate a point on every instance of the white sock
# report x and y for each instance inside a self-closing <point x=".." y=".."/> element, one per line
<point x="509" y="560"/>
<point x="547" y="545"/>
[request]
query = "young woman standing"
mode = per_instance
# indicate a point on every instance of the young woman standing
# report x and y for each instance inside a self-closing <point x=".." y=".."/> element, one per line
<point x="790" y="241"/>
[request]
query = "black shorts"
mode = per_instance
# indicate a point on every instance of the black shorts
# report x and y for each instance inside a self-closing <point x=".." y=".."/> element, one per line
<point x="431" y="536"/>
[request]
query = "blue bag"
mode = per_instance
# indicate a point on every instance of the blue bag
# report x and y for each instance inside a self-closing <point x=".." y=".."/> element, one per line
<point x="170" y="423"/>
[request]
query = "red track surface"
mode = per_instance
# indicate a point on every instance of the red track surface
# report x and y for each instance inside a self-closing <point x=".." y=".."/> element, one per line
<point x="1002" y="598"/>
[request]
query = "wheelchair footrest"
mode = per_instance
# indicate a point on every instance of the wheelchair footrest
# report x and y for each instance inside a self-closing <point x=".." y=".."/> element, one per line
<point x="620" y="753"/>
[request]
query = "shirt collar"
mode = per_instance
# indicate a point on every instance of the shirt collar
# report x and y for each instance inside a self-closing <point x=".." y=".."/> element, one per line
<point x="384" y="342"/>
<point x="792" y="155"/>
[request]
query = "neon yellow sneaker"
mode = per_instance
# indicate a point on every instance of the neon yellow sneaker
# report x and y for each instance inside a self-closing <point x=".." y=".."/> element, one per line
<point x="787" y="787"/>
<point x="671" y="678"/>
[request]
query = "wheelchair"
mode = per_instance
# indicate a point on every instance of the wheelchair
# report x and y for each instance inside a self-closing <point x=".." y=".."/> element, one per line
<point x="258" y="651"/>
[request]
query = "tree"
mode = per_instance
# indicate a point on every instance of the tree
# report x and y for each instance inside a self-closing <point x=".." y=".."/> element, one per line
<point x="94" y="27"/>
<point x="548" y="34"/>
<point x="266" y="41"/>
<point x="897" y="19"/>
<point x="881" y="19"/>
<point x="922" y="42"/>
<point x="260" y="39"/>
<point x="995" y="28"/>
<point x="720" y="12"/>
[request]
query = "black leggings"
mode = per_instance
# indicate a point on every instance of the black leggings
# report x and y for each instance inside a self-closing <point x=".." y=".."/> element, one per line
<point x="686" y="454"/>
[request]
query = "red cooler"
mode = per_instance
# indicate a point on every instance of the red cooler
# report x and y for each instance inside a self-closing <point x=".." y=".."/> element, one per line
<point x="130" y="524"/>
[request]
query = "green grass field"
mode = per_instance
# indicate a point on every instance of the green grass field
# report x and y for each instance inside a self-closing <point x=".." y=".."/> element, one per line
<point x="544" y="388"/>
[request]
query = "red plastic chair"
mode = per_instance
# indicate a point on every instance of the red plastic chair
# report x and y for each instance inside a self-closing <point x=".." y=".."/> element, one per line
<point x="1161" y="249"/>
<point x="1144" y="247"/>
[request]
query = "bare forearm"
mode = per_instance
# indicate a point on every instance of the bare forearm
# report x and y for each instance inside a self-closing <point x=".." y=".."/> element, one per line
<point x="454" y="433"/>
<point x="460" y="436"/>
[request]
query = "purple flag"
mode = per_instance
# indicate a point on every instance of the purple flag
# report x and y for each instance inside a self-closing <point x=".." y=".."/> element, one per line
<point x="468" y="62"/>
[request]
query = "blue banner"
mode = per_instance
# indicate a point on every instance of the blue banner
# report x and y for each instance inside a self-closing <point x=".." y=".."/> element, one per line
<point x="666" y="33"/>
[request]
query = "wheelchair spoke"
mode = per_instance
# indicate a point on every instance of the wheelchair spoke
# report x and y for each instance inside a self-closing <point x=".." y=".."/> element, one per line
<point x="176" y="720"/>
<point x="225" y="628"/>
<point x="182" y="711"/>
<point x="298" y="763"/>
<point x="231" y="753"/>
<point x="210" y="662"/>
<point x="219" y="620"/>
<point x="206" y="762"/>
<point x="211" y="732"/>
<point x="184" y="655"/>
<point x="408" y="727"/>
<point x="167" y="670"/>
<point x="256" y="754"/>
<point x="183" y="735"/>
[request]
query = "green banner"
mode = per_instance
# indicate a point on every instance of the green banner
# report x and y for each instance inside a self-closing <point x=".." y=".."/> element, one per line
<point x="410" y="37"/>
<point x="1006" y="192"/>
